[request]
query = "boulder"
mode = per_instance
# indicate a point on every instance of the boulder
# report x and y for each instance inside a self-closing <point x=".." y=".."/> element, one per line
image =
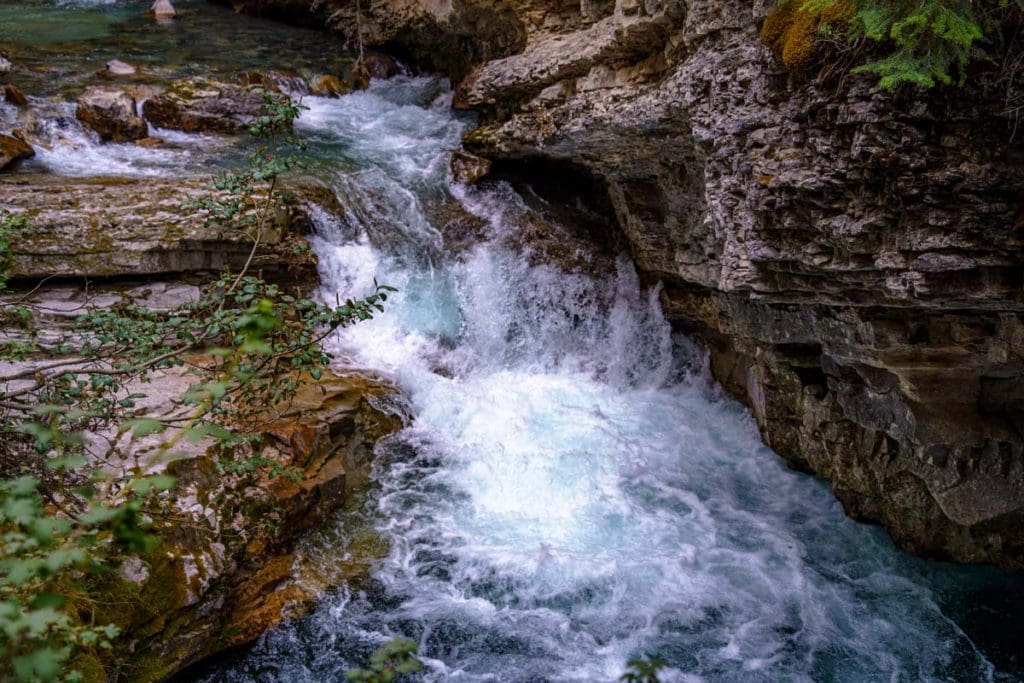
<point x="13" y="150"/>
<point x="327" y="86"/>
<point x="111" y="112"/>
<point x="381" y="66"/>
<point x="5" y="65"/>
<point x="13" y="95"/>
<point x="468" y="168"/>
<point x="164" y="10"/>
<point x="115" y="67"/>
<point x="201" y="105"/>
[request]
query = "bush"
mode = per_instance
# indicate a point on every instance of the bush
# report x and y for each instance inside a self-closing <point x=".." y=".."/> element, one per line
<point x="71" y="505"/>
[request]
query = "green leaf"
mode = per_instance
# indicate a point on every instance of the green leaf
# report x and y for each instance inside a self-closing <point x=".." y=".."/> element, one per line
<point x="144" y="426"/>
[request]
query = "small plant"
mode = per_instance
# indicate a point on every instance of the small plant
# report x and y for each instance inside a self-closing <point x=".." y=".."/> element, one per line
<point x="10" y="225"/>
<point x="643" y="670"/>
<point x="395" y="659"/>
<point x="81" y="481"/>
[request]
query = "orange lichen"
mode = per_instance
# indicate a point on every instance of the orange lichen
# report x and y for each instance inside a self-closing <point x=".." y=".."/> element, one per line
<point x="794" y="33"/>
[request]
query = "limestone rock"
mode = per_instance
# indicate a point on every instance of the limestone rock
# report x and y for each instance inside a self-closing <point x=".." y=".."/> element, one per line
<point x="13" y="150"/>
<point x="232" y="573"/>
<point x="130" y="226"/>
<point x="856" y="277"/>
<point x="381" y="66"/>
<point x="163" y="10"/>
<point x="115" y="67"/>
<point x="203" y="105"/>
<point x="111" y="112"/>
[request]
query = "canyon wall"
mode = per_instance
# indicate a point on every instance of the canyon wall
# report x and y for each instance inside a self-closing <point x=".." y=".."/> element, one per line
<point x="853" y="258"/>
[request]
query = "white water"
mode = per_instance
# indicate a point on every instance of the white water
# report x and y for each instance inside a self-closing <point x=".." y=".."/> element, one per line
<point x="65" y="147"/>
<point x="571" y="491"/>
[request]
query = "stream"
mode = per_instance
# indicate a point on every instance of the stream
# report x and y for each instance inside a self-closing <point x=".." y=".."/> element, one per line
<point x="572" y="489"/>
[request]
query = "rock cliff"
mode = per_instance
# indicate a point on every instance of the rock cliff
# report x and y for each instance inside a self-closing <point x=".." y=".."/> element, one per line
<point x="853" y="258"/>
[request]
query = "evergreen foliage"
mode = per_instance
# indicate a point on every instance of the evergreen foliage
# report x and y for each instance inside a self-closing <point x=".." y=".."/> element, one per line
<point x="921" y="42"/>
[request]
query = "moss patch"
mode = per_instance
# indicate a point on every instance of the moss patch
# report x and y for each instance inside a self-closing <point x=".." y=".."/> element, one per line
<point x="794" y="33"/>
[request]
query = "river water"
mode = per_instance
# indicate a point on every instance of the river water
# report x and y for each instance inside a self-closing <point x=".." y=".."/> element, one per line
<point x="572" y="490"/>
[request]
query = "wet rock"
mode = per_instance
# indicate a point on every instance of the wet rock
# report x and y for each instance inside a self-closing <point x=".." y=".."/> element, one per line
<point x="163" y="10"/>
<point x="13" y="95"/>
<point x="5" y="65"/>
<point x="327" y="86"/>
<point x="110" y="227"/>
<point x="111" y="112"/>
<point x="381" y="66"/>
<point x="217" y="585"/>
<point x="856" y="276"/>
<point x="13" y="150"/>
<point x="854" y="266"/>
<point x="202" y="105"/>
<point x="468" y="168"/>
<point x="151" y="142"/>
<point x="116" y="67"/>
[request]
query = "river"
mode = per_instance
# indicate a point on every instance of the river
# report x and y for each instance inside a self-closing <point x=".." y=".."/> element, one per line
<point x="571" y="490"/>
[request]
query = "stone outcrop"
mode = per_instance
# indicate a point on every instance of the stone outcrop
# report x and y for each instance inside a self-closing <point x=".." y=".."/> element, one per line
<point x="114" y="227"/>
<point x="201" y="105"/>
<point x="13" y="150"/>
<point x="111" y="112"/>
<point x="234" y="572"/>
<point x="852" y="257"/>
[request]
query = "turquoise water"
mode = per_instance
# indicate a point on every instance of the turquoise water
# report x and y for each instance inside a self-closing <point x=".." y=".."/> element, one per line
<point x="572" y="490"/>
<point x="58" y="46"/>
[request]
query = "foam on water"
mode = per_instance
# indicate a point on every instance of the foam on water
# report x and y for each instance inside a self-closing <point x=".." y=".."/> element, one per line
<point x="65" y="147"/>
<point x="571" y="491"/>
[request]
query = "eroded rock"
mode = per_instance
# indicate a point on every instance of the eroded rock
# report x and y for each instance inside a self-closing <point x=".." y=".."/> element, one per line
<point x="468" y="168"/>
<point x="855" y="271"/>
<point x="327" y="86"/>
<point x="115" y="67"/>
<point x="201" y="105"/>
<point x="234" y="573"/>
<point x="13" y="150"/>
<point x="107" y="227"/>
<point x="111" y="112"/>
<point x="163" y="10"/>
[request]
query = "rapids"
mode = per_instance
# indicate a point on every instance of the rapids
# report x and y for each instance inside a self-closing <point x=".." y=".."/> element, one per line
<point x="572" y="490"/>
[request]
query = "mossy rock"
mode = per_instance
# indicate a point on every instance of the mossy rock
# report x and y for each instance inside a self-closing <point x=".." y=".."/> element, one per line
<point x="794" y="33"/>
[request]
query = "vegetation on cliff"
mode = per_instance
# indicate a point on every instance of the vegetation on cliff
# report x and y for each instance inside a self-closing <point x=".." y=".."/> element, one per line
<point x="923" y="43"/>
<point x="82" y="478"/>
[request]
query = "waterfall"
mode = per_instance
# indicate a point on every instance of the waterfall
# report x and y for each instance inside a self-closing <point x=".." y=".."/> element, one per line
<point x="572" y="491"/>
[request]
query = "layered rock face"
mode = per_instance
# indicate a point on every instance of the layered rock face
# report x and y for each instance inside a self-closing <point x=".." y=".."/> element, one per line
<point x="853" y="258"/>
